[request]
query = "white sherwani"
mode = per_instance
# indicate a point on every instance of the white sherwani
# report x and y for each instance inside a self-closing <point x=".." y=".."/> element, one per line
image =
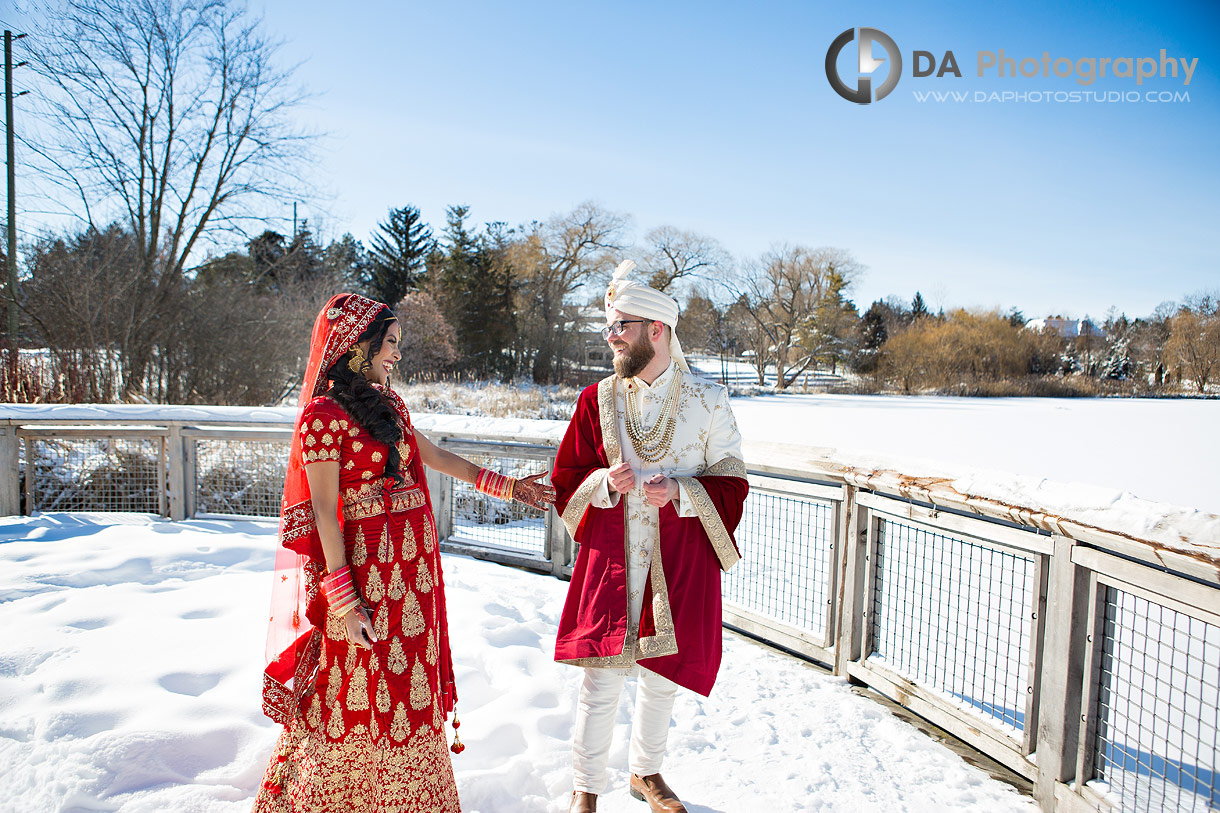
<point x="706" y="433"/>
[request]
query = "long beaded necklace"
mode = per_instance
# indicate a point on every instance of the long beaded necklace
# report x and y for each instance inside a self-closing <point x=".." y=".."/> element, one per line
<point x="654" y="444"/>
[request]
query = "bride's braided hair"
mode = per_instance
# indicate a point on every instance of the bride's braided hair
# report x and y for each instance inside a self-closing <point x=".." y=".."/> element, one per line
<point x="365" y="403"/>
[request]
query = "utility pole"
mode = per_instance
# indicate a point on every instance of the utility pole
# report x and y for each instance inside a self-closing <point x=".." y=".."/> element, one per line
<point x="12" y="202"/>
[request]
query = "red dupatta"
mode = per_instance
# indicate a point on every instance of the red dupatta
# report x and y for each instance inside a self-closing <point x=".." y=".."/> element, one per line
<point x="294" y="629"/>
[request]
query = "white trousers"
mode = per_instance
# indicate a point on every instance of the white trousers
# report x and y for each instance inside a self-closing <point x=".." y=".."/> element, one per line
<point x="595" y="713"/>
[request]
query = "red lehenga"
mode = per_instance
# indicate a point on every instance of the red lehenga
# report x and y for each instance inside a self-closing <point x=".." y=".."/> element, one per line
<point x="363" y="729"/>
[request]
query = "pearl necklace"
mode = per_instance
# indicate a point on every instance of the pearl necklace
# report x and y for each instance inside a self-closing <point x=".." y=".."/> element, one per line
<point x="653" y="445"/>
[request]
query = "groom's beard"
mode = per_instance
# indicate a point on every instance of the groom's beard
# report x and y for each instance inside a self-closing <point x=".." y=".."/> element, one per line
<point x="635" y="358"/>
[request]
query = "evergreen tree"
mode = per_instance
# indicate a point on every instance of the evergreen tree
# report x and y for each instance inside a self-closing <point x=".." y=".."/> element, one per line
<point x="475" y="287"/>
<point x="348" y="260"/>
<point x="873" y="332"/>
<point x="396" y="256"/>
<point x="919" y="308"/>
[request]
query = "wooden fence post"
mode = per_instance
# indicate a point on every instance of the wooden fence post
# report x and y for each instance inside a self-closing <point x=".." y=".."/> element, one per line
<point x="10" y="471"/>
<point x="440" y="486"/>
<point x="176" y="471"/>
<point x="851" y="546"/>
<point x="1067" y="623"/>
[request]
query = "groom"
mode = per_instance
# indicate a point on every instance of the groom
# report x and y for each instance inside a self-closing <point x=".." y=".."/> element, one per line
<point x="650" y="483"/>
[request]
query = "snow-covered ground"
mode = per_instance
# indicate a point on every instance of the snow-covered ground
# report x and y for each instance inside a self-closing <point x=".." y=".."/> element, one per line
<point x="1164" y="450"/>
<point x="129" y="680"/>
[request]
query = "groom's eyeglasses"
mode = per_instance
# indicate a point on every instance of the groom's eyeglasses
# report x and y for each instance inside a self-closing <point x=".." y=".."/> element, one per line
<point x="616" y="328"/>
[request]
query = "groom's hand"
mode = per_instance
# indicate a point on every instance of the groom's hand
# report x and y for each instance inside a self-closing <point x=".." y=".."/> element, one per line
<point x="621" y="478"/>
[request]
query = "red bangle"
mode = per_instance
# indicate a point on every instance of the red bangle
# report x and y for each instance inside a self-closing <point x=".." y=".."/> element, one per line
<point x="340" y="592"/>
<point x="494" y="484"/>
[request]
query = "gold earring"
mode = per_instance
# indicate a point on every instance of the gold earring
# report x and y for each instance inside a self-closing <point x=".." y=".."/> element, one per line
<point x="356" y="362"/>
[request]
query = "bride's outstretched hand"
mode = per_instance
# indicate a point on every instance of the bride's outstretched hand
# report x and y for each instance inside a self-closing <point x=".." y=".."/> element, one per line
<point x="534" y="493"/>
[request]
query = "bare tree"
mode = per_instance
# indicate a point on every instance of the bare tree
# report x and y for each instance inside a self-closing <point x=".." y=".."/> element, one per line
<point x="1194" y="339"/>
<point x="786" y="293"/>
<point x="673" y="254"/>
<point x="169" y="116"/>
<point x="556" y="260"/>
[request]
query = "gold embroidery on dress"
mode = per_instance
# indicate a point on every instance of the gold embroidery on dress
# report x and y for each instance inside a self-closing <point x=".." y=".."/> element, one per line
<point x="336" y="630"/>
<point x="410" y="547"/>
<point x="327" y="439"/>
<point x="376" y="456"/>
<point x="423" y="579"/>
<point x="310" y="441"/>
<point x="397" y="585"/>
<point x="363" y="501"/>
<point x="374" y="589"/>
<point x="366" y="475"/>
<point x="357" y="445"/>
<point x="429" y="534"/>
<point x="385" y="550"/>
<point x="334" y="681"/>
<point x="406" y="500"/>
<point x="437" y="722"/>
<point x="317" y="424"/>
<point x="358" y="690"/>
<point x="421" y="692"/>
<point x="334" y="728"/>
<point x="412" y="617"/>
<point x="358" y="772"/>
<point x="359" y="548"/>
<point x="399" y="728"/>
<point x="383" y="695"/>
<point x="355" y="430"/>
<point x="430" y="653"/>
<point x="350" y="664"/>
<point x="398" y="658"/>
<point x="349" y="465"/>
<point x="381" y="622"/>
<point x="314" y="716"/>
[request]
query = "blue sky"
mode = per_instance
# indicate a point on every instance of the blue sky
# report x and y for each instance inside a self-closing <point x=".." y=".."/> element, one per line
<point x="717" y="117"/>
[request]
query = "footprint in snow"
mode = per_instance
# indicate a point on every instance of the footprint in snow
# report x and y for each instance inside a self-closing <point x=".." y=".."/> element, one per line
<point x="189" y="683"/>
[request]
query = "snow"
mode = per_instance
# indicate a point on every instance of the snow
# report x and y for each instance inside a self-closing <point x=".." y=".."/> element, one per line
<point x="1165" y="450"/>
<point x="1145" y="468"/>
<point x="129" y="681"/>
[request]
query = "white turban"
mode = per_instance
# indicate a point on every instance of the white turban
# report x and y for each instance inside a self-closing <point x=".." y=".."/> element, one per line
<point x="637" y="299"/>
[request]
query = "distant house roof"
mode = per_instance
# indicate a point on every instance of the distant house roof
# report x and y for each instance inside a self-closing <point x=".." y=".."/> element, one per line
<point x="1067" y="328"/>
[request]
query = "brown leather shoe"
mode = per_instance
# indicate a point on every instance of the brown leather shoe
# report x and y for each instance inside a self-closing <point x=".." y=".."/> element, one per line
<point x="652" y="789"/>
<point x="583" y="802"/>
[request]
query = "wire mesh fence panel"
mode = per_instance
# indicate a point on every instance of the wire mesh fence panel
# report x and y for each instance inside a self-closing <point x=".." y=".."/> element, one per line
<point x="954" y="615"/>
<point x="235" y="476"/>
<point x="96" y="474"/>
<point x="786" y="545"/>
<point x="1158" y="707"/>
<point x="483" y="520"/>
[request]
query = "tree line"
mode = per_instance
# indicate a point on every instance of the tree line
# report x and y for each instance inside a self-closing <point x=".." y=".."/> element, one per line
<point x="166" y="127"/>
<point x="523" y="302"/>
